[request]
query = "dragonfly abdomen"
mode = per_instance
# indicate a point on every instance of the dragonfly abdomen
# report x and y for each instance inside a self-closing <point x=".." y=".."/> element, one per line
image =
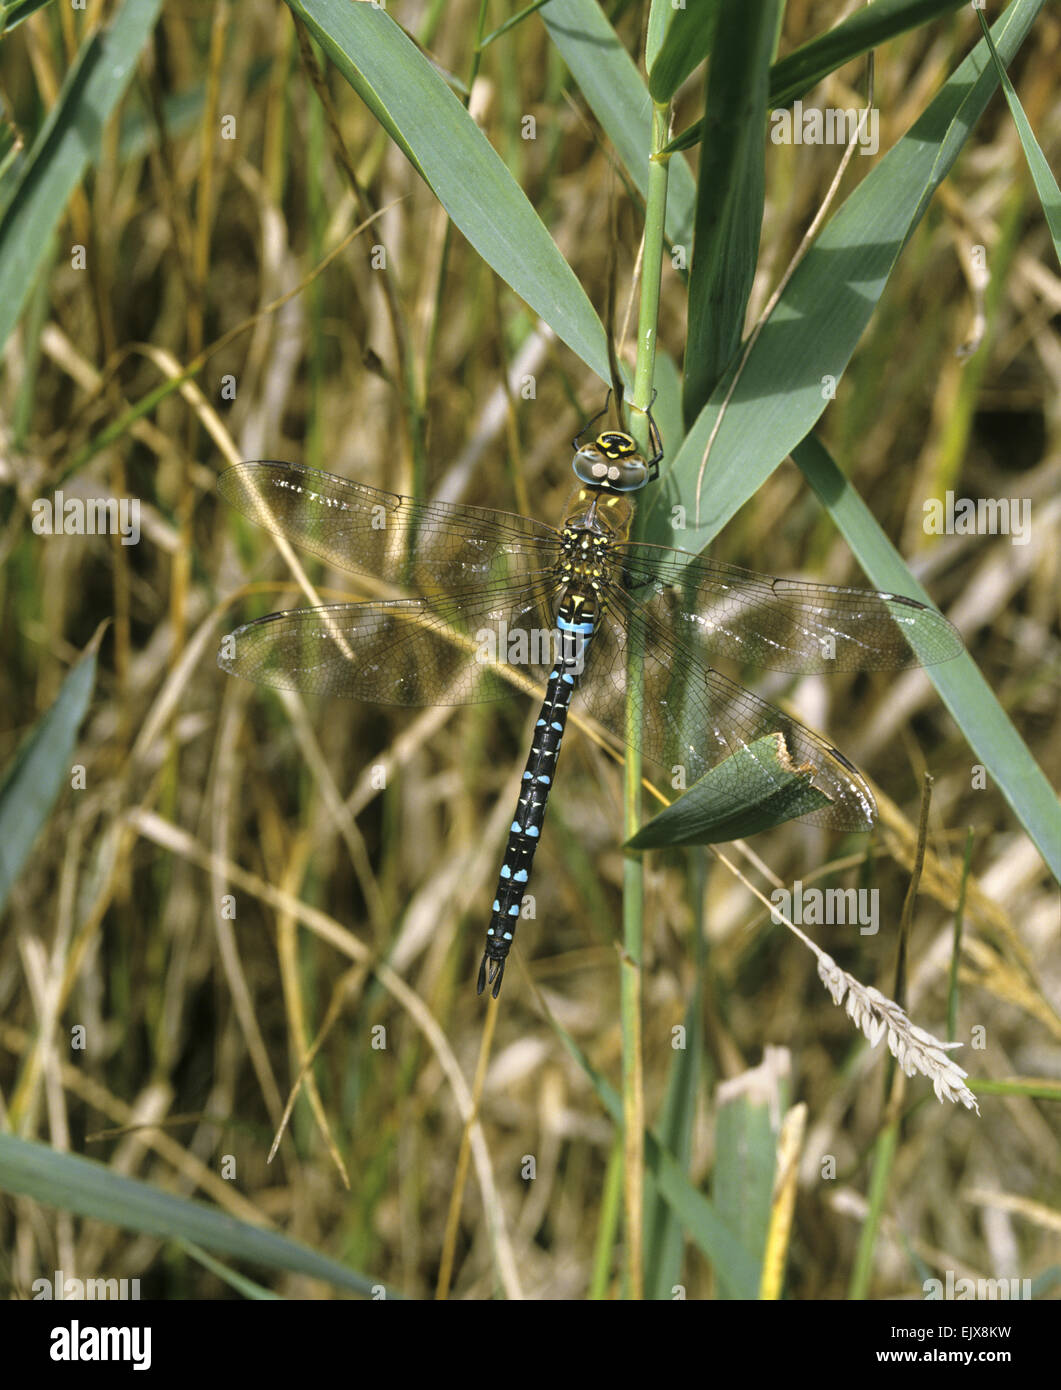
<point x="575" y="626"/>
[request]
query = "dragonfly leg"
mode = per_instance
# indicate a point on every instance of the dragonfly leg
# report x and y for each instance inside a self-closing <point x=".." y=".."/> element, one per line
<point x="593" y="421"/>
<point x="654" y="439"/>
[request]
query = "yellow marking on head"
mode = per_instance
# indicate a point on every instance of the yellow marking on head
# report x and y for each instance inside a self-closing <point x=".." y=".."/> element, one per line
<point x="616" y="444"/>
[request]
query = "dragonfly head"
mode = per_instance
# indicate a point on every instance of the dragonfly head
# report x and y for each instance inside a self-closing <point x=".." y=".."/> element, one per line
<point x="612" y="463"/>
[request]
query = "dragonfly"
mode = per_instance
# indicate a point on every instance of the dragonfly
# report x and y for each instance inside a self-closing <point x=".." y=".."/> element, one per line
<point x="492" y="598"/>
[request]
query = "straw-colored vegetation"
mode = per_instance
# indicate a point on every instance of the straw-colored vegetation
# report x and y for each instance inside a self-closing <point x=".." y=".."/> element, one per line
<point x="241" y="876"/>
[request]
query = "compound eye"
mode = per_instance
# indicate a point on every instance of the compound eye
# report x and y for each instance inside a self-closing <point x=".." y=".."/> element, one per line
<point x="635" y="475"/>
<point x="608" y="472"/>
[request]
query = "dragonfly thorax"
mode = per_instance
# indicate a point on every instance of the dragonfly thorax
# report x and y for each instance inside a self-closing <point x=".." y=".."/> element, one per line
<point x="592" y="520"/>
<point x="583" y="553"/>
<point x="611" y="463"/>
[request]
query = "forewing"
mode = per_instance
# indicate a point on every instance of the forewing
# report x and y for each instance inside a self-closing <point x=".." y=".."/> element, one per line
<point x="782" y="624"/>
<point x="423" y="546"/>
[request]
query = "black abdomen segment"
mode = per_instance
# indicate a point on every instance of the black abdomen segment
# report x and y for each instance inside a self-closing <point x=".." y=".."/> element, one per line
<point x="534" y="793"/>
